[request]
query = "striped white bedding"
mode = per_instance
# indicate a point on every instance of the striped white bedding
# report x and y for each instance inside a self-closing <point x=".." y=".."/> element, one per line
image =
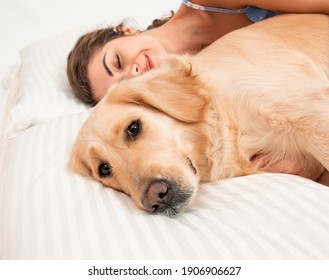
<point x="48" y="212"/>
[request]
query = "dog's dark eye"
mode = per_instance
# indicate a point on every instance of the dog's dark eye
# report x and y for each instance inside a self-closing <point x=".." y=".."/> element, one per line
<point x="134" y="129"/>
<point x="104" y="170"/>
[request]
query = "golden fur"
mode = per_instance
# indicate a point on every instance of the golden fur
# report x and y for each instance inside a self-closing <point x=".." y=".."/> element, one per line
<point x="262" y="90"/>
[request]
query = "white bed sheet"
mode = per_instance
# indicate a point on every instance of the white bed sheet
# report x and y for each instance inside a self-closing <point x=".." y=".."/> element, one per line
<point x="55" y="214"/>
<point x="48" y="212"/>
<point x="51" y="213"/>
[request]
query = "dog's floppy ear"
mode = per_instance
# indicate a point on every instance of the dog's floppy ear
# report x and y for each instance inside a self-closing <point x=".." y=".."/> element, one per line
<point x="173" y="89"/>
<point x="78" y="164"/>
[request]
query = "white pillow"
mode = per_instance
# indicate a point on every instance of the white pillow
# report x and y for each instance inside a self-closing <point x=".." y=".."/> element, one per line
<point x="44" y="92"/>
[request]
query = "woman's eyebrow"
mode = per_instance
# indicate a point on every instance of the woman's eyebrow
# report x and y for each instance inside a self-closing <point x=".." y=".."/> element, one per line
<point x="105" y="66"/>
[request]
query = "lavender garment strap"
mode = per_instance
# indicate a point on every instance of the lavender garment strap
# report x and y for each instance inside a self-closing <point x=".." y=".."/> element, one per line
<point x="213" y="9"/>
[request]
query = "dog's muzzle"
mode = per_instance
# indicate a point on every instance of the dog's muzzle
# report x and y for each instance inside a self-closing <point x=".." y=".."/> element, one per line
<point x="167" y="197"/>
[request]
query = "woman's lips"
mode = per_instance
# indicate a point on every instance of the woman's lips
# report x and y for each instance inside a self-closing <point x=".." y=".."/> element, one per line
<point x="149" y="63"/>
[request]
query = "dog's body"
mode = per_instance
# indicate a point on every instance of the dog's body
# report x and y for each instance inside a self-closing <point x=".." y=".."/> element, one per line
<point x="259" y="91"/>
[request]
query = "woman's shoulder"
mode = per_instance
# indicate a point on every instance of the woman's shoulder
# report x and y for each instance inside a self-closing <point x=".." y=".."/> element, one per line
<point x="253" y="13"/>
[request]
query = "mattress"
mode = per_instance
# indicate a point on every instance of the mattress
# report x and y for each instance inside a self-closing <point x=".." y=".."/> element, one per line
<point x="49" y="212"/>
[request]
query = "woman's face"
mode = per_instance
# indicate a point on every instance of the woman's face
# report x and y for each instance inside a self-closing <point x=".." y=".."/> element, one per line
<point x="122" y="58"/>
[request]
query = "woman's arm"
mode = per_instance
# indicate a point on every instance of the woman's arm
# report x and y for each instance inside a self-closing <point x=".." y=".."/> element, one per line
<point x="289" y="6"/>
<point x="261" y="162"/>
<point x="292" y="6"/>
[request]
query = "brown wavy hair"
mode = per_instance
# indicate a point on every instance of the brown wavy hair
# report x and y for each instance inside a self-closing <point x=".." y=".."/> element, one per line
<point x="83" y="50"/>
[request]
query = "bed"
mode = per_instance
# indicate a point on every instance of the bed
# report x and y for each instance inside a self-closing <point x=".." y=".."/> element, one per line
<point x="48" y="212"/>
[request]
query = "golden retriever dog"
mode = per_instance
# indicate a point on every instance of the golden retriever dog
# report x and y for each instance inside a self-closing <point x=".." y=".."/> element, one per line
<point x="258" y="92"/>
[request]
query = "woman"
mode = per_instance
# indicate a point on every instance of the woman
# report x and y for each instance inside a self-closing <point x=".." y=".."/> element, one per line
<point x="105" y="56"/>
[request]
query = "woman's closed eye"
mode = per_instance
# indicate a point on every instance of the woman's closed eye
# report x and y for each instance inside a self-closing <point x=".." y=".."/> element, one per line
<point x="119" y="62"/>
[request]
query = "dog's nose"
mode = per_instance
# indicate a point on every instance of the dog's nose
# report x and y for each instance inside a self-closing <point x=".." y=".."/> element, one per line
<point x="157" y="198"/>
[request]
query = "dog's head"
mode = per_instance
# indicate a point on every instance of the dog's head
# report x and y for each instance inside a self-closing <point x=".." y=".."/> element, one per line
<point x="145" y="138"/>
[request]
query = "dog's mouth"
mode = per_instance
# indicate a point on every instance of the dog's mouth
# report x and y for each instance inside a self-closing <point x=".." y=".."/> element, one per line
<point x="167" y="197"/>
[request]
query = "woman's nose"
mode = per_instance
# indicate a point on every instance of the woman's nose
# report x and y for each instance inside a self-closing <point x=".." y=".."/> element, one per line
<point x="133" y="71"/>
